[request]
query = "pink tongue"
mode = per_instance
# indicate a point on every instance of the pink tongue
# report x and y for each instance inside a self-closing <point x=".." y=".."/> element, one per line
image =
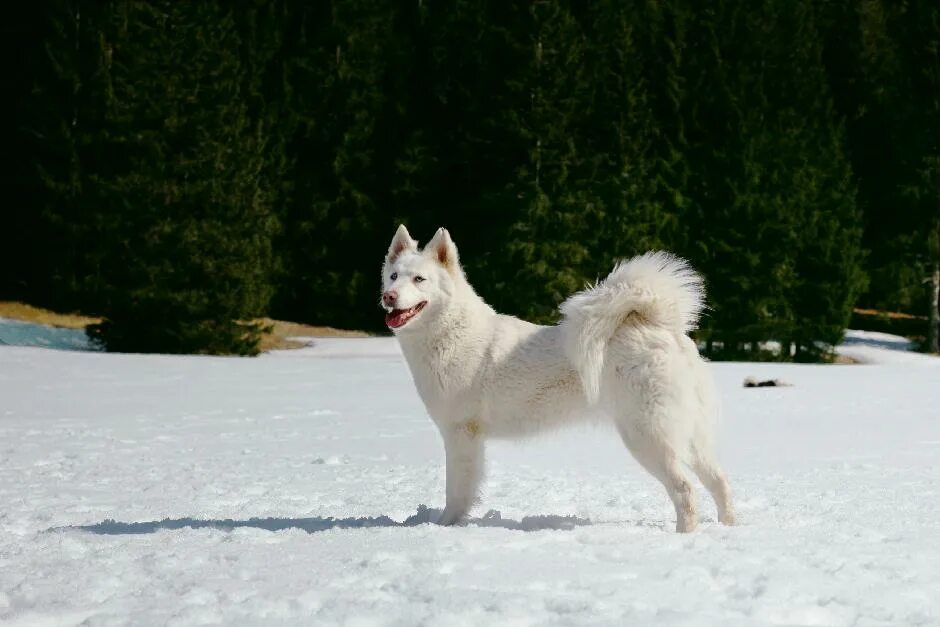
<point x="395" y="320"/>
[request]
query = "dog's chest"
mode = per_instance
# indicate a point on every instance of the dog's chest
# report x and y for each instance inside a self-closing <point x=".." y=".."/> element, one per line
<point x="445" y="379"/>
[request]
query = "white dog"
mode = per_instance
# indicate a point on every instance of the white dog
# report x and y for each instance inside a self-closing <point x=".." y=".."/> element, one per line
<point x="621" y="348"/>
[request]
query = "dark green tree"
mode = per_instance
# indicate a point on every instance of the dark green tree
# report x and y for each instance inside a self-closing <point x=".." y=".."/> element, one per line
<point x="22" y="34"/>
<point x="158" y="195"/>
<point x="64" y="120"/>
<point x="774" y="211"/>
<point x="586" y="192"/>
<point x="634" y="170"/>
<point x="348" y="67"/>
<point x="919" y="46"/>
<point x="550" y="137"/>
<point x="550" y="242"/>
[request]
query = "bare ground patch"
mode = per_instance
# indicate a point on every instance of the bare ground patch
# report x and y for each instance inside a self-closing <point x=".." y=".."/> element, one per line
<point x="38" y="315"/>
<point x="277" y="337"/>
<point x="281" y="331"/>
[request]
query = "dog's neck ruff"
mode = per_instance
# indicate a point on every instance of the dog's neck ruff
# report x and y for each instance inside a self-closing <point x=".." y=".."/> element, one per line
<point x="453" y="324"/>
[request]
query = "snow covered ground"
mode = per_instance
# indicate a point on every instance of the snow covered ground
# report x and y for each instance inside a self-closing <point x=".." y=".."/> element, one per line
<point x="871" y="347"/>
<point x="294" y="489"/>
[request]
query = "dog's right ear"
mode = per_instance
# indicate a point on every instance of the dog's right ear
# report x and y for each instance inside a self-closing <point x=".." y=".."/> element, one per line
<point x="400" y="243"/>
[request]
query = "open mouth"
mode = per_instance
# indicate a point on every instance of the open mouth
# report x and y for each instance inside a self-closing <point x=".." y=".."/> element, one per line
<point x="397" y="318"/>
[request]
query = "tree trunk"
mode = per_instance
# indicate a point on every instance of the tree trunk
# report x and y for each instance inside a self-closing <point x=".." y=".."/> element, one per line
<point x="934" y="326"/>
<point x="933" y="314"/>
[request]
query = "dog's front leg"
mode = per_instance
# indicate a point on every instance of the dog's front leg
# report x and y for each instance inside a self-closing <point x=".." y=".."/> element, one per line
<point x="463" y="446"/>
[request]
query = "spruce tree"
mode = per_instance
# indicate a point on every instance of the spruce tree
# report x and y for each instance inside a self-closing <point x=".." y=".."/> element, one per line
<point x="470" y="85"/>
<point x="920" y="29"/>
<point x="552" y="239"/>
<point x="65" y="121"/>
<point x="348" y="66"/>
<point x="551" y="137"/>
<point x="882" y="59"/>
<point x="21" y="268"/>
<point x="634" y="160"/>
<point x="778" y="235"/>
<point x="169" y="194"/>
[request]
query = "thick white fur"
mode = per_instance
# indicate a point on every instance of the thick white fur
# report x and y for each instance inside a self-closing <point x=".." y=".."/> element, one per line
<point x="657" y="289"/>
<point x="621" y="351"/>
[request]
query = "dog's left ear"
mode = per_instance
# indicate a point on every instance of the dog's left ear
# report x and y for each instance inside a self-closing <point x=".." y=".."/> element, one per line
<point x="442" y="248"/>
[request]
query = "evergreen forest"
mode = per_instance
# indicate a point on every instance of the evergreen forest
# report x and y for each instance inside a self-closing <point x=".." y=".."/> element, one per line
<point x="183" y="168"/>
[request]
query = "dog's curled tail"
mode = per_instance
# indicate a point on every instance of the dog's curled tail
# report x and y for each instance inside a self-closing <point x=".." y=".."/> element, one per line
<point x="655" y="289"/>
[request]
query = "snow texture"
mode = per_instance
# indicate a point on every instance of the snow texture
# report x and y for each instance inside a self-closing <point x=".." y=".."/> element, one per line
<point x="871" y="347"/>
<point x="296" y="489"/>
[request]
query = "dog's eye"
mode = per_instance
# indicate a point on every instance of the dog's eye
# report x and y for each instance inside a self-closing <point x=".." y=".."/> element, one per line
<point x="418" y="279"/>
<point x="394" y="276"/>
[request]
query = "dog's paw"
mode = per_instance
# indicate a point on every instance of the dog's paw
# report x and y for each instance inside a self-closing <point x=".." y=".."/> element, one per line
<point x="687" y="525"/>
<point x="449" y="517"/>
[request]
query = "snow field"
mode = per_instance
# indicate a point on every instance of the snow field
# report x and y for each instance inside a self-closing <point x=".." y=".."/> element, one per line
<point x="289" y="489"/>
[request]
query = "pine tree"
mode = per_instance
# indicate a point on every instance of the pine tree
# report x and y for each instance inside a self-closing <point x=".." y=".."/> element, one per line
<point x="551" y="137"/>
<point x="921" y="32"/>
<point x="816" y="188"/>
<point x="885" y="131"/>
<point x="550" y="242"/>
<point x="167" y="183"/>
<point x="883" y="61"/>
<point x="65" y="121"/>
<point x="470" y="84"/>
<point x="348" y="69"/>
<point x="22" y="269"/>
<point x="303" y="84"/>
<point x="634" y="160"/>
<point x="778" y="239"/>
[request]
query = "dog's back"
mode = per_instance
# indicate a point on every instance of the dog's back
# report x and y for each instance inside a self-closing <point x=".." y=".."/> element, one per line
<point x="529" y="384"/>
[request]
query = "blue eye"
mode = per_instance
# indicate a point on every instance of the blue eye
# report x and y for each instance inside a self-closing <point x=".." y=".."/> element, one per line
<point x="418" y="279"/>
<point x="394" y="276"/>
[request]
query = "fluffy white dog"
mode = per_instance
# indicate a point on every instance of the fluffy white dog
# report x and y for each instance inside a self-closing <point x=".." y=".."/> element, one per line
<point x="622" y="348"/>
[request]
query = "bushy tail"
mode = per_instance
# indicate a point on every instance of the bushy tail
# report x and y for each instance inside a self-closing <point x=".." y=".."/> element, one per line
<point x="656" y="289"/>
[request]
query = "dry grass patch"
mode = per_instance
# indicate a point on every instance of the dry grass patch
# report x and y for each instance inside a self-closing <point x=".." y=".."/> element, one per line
<point x="28" y="313"/>
<point x="280" y="331"/>
<point x="276" y="338"/>
<point x="842" y="359"/>
<point x="891" y="315"/>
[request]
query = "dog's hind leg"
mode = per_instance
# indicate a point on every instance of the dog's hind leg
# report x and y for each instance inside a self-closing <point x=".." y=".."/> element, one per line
<point x="713" y="478"/>
<point x="463" y="446"/>
<point x="660" y="459"/>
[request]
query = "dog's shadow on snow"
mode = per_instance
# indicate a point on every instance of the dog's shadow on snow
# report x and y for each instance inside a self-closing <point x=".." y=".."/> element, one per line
<point x="423" y="516"/>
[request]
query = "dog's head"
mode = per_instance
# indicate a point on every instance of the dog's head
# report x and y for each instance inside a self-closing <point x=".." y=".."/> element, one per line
<point x="418" y="284"/>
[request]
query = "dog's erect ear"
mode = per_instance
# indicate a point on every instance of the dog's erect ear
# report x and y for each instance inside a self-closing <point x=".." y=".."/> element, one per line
<point x="442" y="248"/>
<point x="400" y="243"/>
